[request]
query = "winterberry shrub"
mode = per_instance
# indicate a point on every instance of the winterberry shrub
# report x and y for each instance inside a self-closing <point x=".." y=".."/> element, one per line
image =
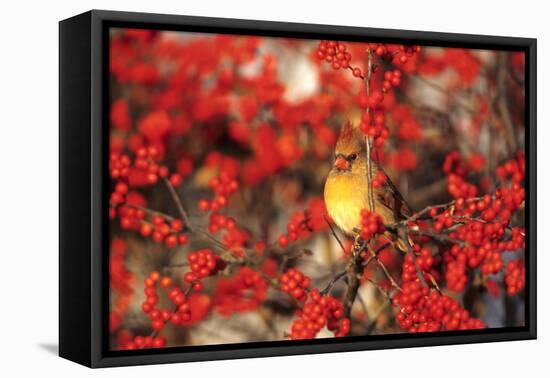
<point x="219" y="149"/>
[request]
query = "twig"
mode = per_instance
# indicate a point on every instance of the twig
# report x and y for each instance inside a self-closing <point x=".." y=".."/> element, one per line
<point x="355" y="271"/>
<point x="154" y="333"/>
<point x="438" y="236"/>
<point x="189" y="227"/>
<point x="179" y="205"/>
<point x="372" y="205"/>
<point x="150" y="211"/>
<point x="355" y="268"/>
<point x="334" y="233"/>
<point x="462" y="218"/>
<point x="427" y="209"/>
<point x="333" y="281"/>
<point x="383" y="267"/>
<point x="376" y="252"/>
<point x="206" y="235"/>
<point x="176" y="266"/>
<point x="434" y="282"/>
<point x="384" y="292"/>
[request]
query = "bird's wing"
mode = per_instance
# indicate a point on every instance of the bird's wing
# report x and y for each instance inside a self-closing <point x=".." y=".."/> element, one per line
<point x="389" y="196"/>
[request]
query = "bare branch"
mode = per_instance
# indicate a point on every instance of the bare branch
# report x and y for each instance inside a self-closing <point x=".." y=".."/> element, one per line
<point x="333" y="282"/>
<point x="372" y="205"/>
<point x="355" y="270"/>
<point x="382" y="266"/>
<point x="179" y="205"/>
<point x="333" y="231"/>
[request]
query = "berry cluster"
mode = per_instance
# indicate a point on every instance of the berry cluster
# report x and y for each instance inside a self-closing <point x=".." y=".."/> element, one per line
<point x="120" y="115"/>
<point x="391" y="79"/>
<point x="513" y="170"/>
<point x="119" y="165"/>
<point x="121" y="280"/>
<point x="408" y="270"/>
<point x="492" y="259"/>
<point x="371" y="225"/>
<point x="453" y="163"/>
<point x="146" y="164"/>
<point x="234" y="238"/>
<point x="409" y="128"/>
<point x="426" y="310"/>
<point x="303" y="223"/>
<point x="119" y="275"/>
<point x="481" y="229"/>
<point x="223" y="186"/>
<point x="144" y="342"/>
<point x="407" y="52"/>
<point x="517" y="241"/>
<point x="456" y="169"/>
<point x="161" y="229"/>
<point x="130" y="218"/>
<point x="455" y="273"/>
<point x="159" y="317"/>
<point x="203" y="263"/>
<point x="318" y="312"/>
<point x="458" y="187"/>
<point x="241" y="293"/>
<point x="476" y="162"/>
<point x="144" y="170"/>
<point x="400" y="54"/>
<point x="295" y="283"/>
<point x="299" y="225"/>
<point x="443" y="220"/>
<point x="373" y="123"/>
<point x="335" y="53"/>
<point x="118" y="196"/>
<point x="514" y="277"/>
<point x="119" y="169"/>
<point x="425" y="259"/>
<point x="403" y="159"/>
<point x="373" y="101"/>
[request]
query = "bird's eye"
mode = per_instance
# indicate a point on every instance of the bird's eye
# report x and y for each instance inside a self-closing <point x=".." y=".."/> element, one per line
<point x="353" y="156"/>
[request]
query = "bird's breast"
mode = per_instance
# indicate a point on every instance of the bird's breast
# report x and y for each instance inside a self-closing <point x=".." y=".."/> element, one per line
<point x="345" y="196"/>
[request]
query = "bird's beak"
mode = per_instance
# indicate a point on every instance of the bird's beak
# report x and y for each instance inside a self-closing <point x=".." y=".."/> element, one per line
<point x="341" y="163"/>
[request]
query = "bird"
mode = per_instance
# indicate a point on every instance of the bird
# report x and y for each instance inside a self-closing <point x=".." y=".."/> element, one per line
<point x="347" y="187"/>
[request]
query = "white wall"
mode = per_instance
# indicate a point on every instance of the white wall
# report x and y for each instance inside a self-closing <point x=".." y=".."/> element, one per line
<point x="29" y="189"/>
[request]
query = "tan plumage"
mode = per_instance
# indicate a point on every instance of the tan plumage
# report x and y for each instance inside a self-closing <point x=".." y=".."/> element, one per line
<point x="347" y="187"/>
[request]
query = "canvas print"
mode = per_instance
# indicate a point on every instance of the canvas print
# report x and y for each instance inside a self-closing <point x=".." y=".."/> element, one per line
<point x="268" y="189"/>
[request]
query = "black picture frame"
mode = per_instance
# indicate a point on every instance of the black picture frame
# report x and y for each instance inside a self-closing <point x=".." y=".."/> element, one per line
<point x="83" y="196"/>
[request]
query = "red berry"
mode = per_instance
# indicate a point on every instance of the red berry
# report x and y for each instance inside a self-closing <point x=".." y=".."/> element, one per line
<point x="204" y="205"/>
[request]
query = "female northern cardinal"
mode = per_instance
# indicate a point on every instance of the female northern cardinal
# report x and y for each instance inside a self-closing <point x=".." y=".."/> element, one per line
<point x="347" y="187"/>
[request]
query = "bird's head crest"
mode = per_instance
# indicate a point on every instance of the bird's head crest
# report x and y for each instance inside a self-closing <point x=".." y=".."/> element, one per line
<point x="350" y="140"/>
